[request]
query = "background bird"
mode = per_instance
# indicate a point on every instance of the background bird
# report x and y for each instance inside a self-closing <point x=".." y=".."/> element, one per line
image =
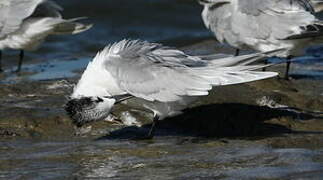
<point x="24" y="24"/>
<point x="317" y="5"/>
<point x="265" y="25"/>
<point x="165" y="80"/>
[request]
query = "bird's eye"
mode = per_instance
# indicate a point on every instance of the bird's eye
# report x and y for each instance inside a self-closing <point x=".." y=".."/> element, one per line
<point x="99" y="100"/>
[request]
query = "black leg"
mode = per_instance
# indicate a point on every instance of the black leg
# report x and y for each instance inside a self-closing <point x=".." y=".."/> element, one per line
<point x="1" y="61"/>
<point x="288" y="62"/>
<point x="237" y="52"/>
<point x="153" y="127"/>
<point x="21" y="57"/>
<point x="266" y="62"/>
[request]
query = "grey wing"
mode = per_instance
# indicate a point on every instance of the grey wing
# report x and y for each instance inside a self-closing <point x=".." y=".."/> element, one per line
<point x="13" y="13"/>
<point x="277" y="19"/>
<point x="155" y="74"/>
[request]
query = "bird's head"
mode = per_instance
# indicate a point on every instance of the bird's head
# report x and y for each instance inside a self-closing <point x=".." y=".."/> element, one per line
<point x="88" y="109"/>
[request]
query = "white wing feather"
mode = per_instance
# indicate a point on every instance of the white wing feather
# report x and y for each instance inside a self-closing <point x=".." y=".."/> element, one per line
<point x="157" y="73"/>
<point x="14" y="12"/>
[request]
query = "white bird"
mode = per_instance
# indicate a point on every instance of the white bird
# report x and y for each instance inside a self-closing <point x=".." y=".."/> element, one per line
<point x="265" y="25"/>
<point x="165" y="80"/>
<point x="24" y="24"/>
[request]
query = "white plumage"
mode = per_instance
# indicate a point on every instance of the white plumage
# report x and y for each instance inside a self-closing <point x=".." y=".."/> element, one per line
<point x="24" y="24"/>
<point x="264" y="25"/>
<point x="164" y="79"/>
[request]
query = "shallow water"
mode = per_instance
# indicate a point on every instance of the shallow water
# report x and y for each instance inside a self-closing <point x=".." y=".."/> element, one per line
<point x="54" y="69"/>
<point x="310" y="67"/>
<point x="161" y="158"/>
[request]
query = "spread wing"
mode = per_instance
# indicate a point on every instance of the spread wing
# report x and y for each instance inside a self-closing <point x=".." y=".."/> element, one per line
<point x="13" y="12"/>
<point x="153" y="72"/>
<point x="279" y="19"/>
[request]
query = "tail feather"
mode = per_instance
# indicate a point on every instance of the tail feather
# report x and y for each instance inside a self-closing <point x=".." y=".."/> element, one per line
<point x="214" y="56"/>
<point x="317" y="5"/>
<point x="309" y="31"/>
<point x="238" y="77"/>
<point x="243" y="59"/>
<point x="71" y="27"/>
<point x="236" y="69"/>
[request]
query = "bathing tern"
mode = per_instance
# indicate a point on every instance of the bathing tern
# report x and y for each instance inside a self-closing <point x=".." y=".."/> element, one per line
<point x="24" y="24"/>
<point x="265" y="25"/>
<point x="165" y="80"/>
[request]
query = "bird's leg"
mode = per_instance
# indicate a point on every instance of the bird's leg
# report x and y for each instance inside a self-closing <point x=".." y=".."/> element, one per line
<point x="266" y="62"/>
<point x="288" y="62"/>
<point x="153" y="127"/>
<point x="237" y="52"/>
<point x="21" y="57"/>
<point x="1" y="61"/>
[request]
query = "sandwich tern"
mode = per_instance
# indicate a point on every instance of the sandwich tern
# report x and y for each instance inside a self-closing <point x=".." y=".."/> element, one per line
<point x="164" y="80"/>
<point x="265" y="25"/>
<point x="24" y="24"/>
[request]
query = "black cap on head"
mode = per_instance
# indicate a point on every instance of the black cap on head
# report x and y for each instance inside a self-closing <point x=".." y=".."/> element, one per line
<point x="88" y="109"/>
<point x="75" y="107"/>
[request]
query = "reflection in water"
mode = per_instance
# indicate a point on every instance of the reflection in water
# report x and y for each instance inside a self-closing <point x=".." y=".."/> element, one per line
<point x="200" y="161"/>
<point x="162" y="158"/>
<point x="98" y="167"/>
